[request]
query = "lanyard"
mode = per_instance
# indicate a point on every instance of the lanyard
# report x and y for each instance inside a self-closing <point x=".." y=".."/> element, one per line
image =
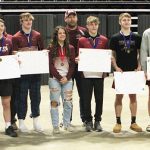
<point x="28" y="39"/>
<point x="94" y="42"/>
<point x="127" y="42"/>
<point x="62" y="53"/>
<point x="2" y="45"/>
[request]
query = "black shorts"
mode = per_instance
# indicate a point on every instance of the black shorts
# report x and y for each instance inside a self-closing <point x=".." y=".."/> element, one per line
<point x="6" y="87"/>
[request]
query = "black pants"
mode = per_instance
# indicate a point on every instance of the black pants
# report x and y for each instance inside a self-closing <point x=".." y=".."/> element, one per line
<point x="79" y="88"/>
<point x="13" y="100"/>
<point x="29" y="84"/>
<point x="77" y="78"/>
<point x="88" y="85"/>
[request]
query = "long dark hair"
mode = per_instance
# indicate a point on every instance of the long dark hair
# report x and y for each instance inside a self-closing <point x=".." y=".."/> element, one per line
<point x="54" y="42"/>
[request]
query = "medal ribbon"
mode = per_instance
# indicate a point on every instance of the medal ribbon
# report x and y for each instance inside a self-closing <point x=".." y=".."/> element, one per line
<point x="127" y="42"/>
<point x="62" y="53"/>
<point x="2" y="45"/>
<point x="28" y="39"/>
<point x="94" y="42"/>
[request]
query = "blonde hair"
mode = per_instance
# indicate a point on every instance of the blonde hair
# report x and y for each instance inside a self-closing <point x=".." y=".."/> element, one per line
<point x="124" y="15"/>
<point x="92" y="19"/>
<point x="26" y="15"/>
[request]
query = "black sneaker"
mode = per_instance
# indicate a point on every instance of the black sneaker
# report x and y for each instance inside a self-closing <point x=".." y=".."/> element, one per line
<point x="10" y="132"/>
<point x="14" y="125"/>
<point x="97" y="126"/>
<point x="89" y="126"/>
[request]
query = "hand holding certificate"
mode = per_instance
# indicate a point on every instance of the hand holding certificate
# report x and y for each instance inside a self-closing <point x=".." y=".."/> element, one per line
<point x="131" y="82"/>
<point x="33" y="62"/>
<point x="94" y="60"/>
<point x="9" y="67"/>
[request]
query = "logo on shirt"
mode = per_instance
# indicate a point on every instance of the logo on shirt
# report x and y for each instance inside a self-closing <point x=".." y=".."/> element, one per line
<point x="4" y="49"/>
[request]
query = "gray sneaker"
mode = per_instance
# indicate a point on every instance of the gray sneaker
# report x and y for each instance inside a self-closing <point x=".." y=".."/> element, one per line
<point x="89" y="126"/>
<point x="56" y="130"/>
<point x="69" y="128"/>
<point x="97" y="126"/>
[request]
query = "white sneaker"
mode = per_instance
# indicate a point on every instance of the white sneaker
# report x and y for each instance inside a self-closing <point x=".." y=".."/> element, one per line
<point x="56" y="130"/>
<point x="69" y="128"/>
<point x="22" y="126"/>
<point x="23" y="129"/>
<point x="36" y="126"/>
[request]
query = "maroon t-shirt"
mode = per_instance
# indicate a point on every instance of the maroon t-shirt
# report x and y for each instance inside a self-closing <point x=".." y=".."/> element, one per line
<point x="67" y="67"/>
<point x="5" y="46"/>
<point x="9" y="36"/>
<point x="20" y="41"/>
<point x="74" y="36"/>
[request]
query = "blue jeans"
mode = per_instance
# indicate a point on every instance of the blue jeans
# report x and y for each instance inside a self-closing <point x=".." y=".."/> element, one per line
<point x="65" y="91"/>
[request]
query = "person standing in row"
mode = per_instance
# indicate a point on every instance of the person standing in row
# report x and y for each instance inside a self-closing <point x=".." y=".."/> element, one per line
<point x="6" y="88"/>
<point x="61" y="66"/>
<point x="75" y="33"/>
<point x="28" y="39"/>
<point x="13" y="96"/>
<point x="92" y="40"/>
<point x="144" y="53"/>
<point x="125" y="46"/>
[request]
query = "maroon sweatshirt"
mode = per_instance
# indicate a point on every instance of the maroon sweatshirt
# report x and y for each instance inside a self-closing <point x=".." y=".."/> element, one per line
<point x="59" y="68"/>
<point x="20" y="41"/>
<point x="5" y="46"/>
<point x="88" y="42"/>
<point x="74" y="36"/>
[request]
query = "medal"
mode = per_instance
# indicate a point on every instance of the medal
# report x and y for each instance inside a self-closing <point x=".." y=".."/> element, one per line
<point x="128" y="51"/>
<point x="127" y="42"/>
<point x="62" y="55"/>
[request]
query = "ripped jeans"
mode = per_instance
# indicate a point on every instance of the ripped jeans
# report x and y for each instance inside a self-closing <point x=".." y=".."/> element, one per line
<point x="65" y="91"/>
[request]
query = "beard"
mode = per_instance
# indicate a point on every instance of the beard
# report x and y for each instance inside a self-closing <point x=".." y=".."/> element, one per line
<point x="72" y="24"/>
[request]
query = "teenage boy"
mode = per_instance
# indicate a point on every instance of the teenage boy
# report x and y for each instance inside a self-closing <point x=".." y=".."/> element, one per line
<point x="92" y="40"/>
<point x="28" y="39"/>
<point x="125" y="46"/>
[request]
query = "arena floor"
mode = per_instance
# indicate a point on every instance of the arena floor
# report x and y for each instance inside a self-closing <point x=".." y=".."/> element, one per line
<point x="79" y="139"/>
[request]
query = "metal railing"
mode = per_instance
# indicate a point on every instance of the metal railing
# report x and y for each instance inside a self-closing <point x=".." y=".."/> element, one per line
<point x="72" y="0"/>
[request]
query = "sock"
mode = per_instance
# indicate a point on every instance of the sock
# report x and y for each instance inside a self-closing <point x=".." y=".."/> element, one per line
<point x="7" y="124"/>
<point x="35" y="120"/>
<point x="133" y="119"/>
<point x="118" y="119"/>
<point x="21" y="122"/>
<point x="36" y="125"/>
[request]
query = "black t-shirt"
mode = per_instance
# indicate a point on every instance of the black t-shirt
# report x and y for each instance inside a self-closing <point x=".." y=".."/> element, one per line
<point x="126" y="48"/>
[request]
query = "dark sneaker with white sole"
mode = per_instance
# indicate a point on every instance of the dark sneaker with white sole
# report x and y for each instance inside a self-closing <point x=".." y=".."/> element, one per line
<point x="10" y="132"/>
<point x="97" y="126"/>
<point x="89" y="126"/>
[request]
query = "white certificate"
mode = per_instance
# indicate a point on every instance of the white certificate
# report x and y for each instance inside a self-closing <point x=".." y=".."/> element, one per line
<point x="148" y="68"/>
<point x="33" y="62"/>
<point x="9" y="67"/>
<point x="94" y="60"/>
<point x="131" y="82"/>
